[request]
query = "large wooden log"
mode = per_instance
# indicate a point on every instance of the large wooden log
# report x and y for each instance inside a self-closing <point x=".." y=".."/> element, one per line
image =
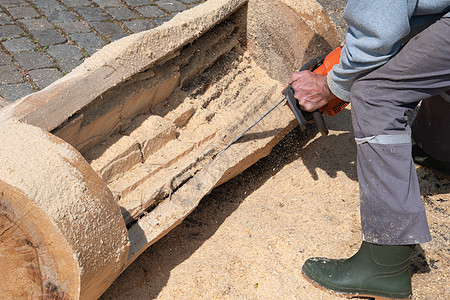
<point x="61" y="232"/>
<point x="148" y="114"/>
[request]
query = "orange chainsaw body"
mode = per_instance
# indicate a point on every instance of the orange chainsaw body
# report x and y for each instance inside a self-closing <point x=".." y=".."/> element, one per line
<point x="335" y="105"/>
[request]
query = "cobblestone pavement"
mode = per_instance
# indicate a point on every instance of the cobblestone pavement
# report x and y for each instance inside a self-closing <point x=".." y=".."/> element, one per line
<point x="42" y="40"/>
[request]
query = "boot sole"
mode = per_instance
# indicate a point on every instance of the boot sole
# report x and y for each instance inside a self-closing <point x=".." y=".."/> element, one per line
<point x="349" y="296"/>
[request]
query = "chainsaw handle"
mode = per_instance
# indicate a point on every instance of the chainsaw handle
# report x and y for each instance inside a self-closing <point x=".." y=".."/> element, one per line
<point x="317" y="116"/>
<point x="304" y="116"/>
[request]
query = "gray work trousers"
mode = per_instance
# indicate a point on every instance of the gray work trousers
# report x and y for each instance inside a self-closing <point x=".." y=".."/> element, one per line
<point x="392" y="212"/>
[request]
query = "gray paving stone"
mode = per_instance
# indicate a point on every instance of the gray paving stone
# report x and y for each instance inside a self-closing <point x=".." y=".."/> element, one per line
<point x="49" y="37"/>
<point x="9" y="74"/>
<point x="5" y="59"/>
<point x="49" y="5"/>
<point x="171" y="5"/>
<point x="36" y="24"/>
<point x="64" y="52"/>
<point x="108" y="3"/>
<point x="108" y="29"/>
<point x="76" y="3"/>
<point x="19" y="45"/>
<point x="91" y="14"/>
<point x="4" y="19"/>
<point x="68" y="65"/>
<point x="10" y="31"/>
<point x="190" y="1"/>
<point x="150" y="11"/>
<point x="14" y="92"/>
<point x="60" y="16"/>
<point x="138" y="2"/>
<point x="121" y="13"/>
<point x="160" y="21"/>
<point x="139" y="25"/>
<point x="117" y="37"/>
<point x="24" y="12"/>
<point x="73" y="27"/>
<point x="89" y="41"/>
<point x="32" y="60"/>
<point x="44" y="77"/>
<point x="13" y="3"/>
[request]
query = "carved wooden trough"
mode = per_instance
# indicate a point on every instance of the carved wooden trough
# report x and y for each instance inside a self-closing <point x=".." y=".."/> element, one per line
<point x="107" y="160"/>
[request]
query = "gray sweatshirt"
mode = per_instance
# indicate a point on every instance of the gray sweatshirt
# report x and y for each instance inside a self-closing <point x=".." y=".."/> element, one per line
<point x="375" y="31"/>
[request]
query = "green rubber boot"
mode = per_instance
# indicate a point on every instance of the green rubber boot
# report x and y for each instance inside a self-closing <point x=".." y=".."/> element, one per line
<point x="377" y="271"/>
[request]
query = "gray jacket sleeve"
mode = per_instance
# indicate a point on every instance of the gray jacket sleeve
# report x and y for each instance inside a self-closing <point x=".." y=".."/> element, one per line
<point x="375" y="28"/>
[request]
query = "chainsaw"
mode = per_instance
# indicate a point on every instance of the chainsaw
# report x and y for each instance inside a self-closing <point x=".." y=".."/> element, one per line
<point x="321" y="65"/>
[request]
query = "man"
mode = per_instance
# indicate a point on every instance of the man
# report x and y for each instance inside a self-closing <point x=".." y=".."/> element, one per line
<point x="384" y="79"/>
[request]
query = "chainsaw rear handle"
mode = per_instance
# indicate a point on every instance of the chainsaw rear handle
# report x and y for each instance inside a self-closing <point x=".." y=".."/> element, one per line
<point x="304" y="116"/>
<point x="317" y="116"/>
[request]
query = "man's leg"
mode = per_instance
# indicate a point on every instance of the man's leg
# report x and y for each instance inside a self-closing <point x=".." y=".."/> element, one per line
<point x="392" y="214"/>
<point x="431" y="134"/>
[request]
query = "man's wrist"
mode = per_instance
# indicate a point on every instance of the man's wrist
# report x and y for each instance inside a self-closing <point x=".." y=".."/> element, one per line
<point x="336" y="90"/>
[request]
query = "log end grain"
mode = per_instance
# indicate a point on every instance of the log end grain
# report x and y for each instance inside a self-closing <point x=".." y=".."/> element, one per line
<point x="61" y="231"/>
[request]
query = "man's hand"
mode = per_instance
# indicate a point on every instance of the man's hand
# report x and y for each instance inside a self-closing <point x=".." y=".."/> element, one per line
<point x="311" y="90"/>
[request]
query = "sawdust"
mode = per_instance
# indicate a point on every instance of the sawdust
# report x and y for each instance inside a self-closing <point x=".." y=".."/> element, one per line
<point x="22" y="141"/>
<point x="249" y="238"/>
